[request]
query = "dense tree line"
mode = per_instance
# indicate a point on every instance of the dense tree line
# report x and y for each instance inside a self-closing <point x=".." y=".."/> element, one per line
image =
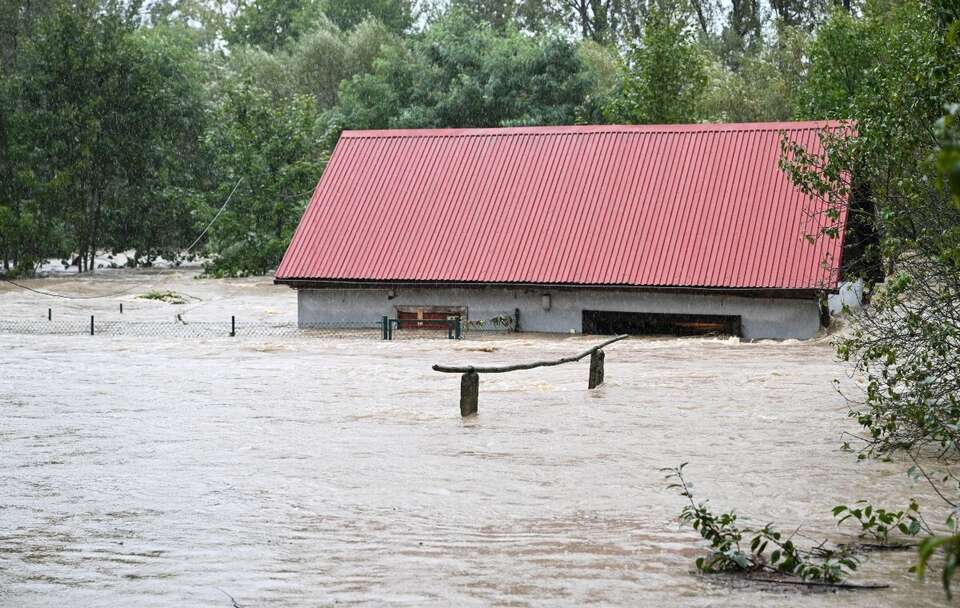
<point x="124" y="124"/>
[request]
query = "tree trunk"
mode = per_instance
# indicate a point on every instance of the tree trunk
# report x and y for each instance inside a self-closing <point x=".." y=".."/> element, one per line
<point x="701" y="16"/>
<point x="581" y="8"/>
<point x="601" y="22"/>
<point x="95" y="226"/>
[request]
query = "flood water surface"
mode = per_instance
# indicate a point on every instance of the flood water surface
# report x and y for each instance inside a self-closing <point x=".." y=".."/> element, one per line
<point x="303" y="472"/>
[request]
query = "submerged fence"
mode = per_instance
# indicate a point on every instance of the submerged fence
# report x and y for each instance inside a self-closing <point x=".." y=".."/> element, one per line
<point x="386" y="328"/>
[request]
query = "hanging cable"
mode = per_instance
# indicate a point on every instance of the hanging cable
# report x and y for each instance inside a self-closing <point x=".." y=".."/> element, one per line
<point x="66" y="297"/>
<point x="224" y="206"/>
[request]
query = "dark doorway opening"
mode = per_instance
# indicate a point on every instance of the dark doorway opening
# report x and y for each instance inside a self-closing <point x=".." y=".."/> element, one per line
<point x="607" y="322"/>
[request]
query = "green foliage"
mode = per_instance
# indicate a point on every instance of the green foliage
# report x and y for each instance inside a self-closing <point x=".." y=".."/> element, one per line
<point x="911" y="327"/>
<point x="155" y="217"/>
<point x="742" y="33"/>
<point x="841" y="58"/>
<point x="904" y="346"/>
<point x="395" y="15"/>
<point x="323" y="58"/>
<point x="108" y="127"/>
<point x="464" y="74"/>
<point x="270" y="24"/>
<point x="276" y="148"/>
<point x="665" y="75"/>
<point x="169" y="297"/>
<point x="949" y="549"/>
<point x="879" y="523"/>
<point x="896" y="71"/>
<point x="729" y="552"/>
<point x="532" y="15"/>
<point x="765" y="84"/>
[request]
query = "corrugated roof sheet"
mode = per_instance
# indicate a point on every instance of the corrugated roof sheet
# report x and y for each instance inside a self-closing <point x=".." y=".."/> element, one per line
<point x="675" y="205"/>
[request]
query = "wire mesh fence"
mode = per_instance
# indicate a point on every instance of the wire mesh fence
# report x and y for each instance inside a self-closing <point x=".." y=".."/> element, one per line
<point x="232" y="328"/>
<point x="189" y="329"/>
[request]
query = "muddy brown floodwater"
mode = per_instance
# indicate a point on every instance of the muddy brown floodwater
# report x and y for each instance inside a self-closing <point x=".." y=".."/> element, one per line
<point x="294" y="471"/>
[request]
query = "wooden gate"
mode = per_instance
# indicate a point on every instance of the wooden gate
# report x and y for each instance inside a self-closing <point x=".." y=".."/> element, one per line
<point x="427" y="317"/>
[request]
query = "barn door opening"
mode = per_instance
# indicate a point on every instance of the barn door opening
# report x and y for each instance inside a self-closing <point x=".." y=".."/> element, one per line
<point x="428" y="317"/>
<point x="650" y="323"/>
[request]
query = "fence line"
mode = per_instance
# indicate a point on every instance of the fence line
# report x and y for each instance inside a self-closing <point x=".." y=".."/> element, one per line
<point x="232" y="327"/>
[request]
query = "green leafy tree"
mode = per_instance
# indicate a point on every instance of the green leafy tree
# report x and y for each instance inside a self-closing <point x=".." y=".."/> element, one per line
<point x="277" y="149"/>
<point x="108" y="120"/>
<point x="204" y="22"/>
<point x="841" y="58"/>
<point x="272" y="72"/>
<point x="395" y="15"/>
<point x="270" y="24"/>
<point x="464" y="74"/>
<point x="537" y="16"/>
<point x="665" y="74"/>
<point x="316" y="63"/>
<point x="326" y="56"/>
<point x="169" y="168"/>
<point x="27" y="231"/>
<point x="765" y="86"/>
<point x="602" y="21"/>
<point x="742" y="34"/>
<point x="904" y="345"/>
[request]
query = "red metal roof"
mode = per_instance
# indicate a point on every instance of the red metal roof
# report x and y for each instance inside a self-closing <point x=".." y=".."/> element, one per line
<point x="675" y="205"/>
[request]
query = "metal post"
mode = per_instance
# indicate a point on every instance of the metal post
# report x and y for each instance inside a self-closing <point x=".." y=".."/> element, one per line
<point x="469" y="393"/>
<point x="233" y="326"/>
<point x="91" y="325"/>
<point x="121" y="307"/>
<point x="457" y="329"/>
<point x="596" y="369"/>
<point x="385" y="327"/>
<point x="49" y="314"/>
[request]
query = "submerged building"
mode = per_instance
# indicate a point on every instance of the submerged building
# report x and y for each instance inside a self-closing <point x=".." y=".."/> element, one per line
<point x="593" y="229"/>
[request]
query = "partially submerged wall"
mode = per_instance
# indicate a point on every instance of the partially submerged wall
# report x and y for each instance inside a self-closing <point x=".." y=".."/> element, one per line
<point x="761" y="317"/>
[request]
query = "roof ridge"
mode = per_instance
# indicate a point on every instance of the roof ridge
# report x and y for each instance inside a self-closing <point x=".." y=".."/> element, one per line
<point x="731" y="127"/>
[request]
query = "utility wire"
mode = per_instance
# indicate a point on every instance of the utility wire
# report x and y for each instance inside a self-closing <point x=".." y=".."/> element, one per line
<point x="224" y="206"/>
<point x="66" y="297"/>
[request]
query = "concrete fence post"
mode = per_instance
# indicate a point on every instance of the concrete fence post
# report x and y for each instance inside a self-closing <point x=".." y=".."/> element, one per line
<point x="469" y="393"/>
<point x="596" y="369"/>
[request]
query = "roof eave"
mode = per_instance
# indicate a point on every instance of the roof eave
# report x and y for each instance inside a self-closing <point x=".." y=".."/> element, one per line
<point x="315" y="283"/>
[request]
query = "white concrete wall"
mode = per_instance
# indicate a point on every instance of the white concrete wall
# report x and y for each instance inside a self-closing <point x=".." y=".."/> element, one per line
<point x="760" y="317"/>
